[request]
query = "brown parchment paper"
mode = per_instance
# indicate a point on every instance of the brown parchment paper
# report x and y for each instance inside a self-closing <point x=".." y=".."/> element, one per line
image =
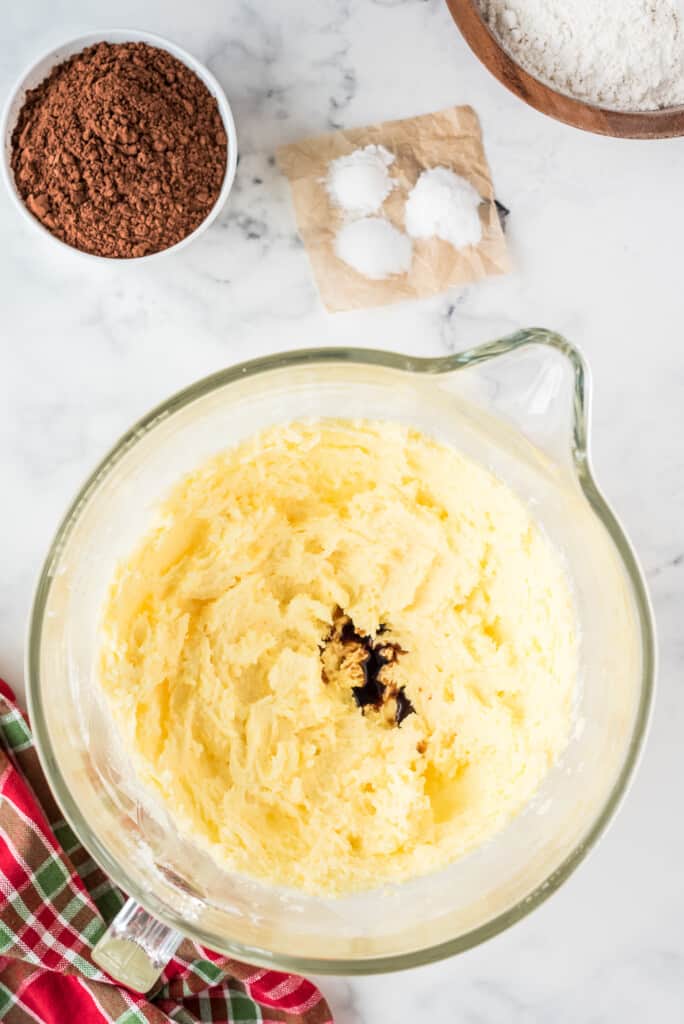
<point x="450" y="138"/>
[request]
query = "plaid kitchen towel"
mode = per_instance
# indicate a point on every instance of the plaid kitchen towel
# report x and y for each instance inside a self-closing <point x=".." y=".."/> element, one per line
<point x="55" y="903"/>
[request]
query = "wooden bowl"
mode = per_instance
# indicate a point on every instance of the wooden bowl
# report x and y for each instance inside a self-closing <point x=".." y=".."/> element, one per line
<point x="647" y="124"/>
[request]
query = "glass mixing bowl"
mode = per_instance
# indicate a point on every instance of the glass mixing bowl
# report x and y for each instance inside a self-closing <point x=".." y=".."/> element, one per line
<point x="518" y="406"/>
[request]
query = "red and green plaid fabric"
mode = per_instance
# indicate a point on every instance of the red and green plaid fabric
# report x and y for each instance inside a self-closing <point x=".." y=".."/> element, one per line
<point x="55" y="903"/>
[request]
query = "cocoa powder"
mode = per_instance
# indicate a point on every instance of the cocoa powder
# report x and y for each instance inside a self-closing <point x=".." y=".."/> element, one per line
<point x="121" y="151"/>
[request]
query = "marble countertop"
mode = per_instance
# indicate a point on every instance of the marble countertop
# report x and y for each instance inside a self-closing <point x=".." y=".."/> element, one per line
<point x="596" y="232"/>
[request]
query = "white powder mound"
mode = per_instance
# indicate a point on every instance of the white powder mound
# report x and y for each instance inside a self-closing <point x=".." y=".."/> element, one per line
<point x="620" y="54"/>
<point x="374" y="248"/>
<point x="359" y="183"/>
<point x="444" y="204"/>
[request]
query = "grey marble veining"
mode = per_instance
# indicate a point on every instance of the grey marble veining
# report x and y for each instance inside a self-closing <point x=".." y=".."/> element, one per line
<point x="595" y="232"/>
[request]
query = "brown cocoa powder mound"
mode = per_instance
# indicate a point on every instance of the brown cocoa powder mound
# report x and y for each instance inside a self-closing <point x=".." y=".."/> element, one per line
<point x="121" y="151"/>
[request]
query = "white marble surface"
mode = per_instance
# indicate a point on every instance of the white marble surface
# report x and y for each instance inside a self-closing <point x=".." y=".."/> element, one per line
<point x="596" y="233"/>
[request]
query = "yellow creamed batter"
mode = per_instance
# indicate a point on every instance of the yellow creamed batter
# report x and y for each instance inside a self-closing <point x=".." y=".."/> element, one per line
<point x="216" y="629"/>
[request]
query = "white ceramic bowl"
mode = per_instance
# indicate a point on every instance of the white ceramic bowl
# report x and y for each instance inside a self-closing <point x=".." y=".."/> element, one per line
<point x="39" y="70"/>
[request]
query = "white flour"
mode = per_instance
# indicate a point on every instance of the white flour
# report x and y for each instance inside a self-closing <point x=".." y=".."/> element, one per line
<point x="622" y="54"/>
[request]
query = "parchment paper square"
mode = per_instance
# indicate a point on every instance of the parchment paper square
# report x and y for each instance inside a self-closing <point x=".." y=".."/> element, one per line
<point x="450" y="138"/>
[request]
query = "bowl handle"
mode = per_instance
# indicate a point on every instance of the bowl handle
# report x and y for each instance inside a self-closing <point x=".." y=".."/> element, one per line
<point x="136" y="948"/>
